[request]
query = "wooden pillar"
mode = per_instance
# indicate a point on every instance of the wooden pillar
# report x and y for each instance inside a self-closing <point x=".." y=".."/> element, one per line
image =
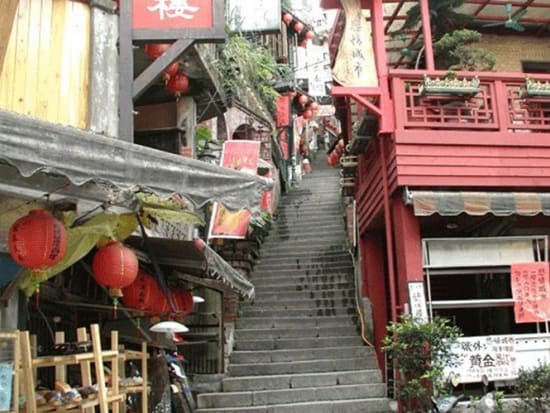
<point x="427" y="31"/>
<point x="103" y="95"/>
<point x="375" y="286"/>
<point x="408" y="248"/>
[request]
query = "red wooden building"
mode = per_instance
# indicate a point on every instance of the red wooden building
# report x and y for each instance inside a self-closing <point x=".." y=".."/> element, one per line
<point x="452" y="185"/>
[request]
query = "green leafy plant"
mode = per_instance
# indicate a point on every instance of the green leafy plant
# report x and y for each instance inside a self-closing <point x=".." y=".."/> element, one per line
<point x="202" y="135"/>
<point x="455" y="51"/>
<point x="421" y="351"/>
<point x="533" y="389"/>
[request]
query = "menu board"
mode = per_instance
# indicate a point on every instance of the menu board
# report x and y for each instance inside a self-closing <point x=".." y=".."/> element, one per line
<point x="531" y="291"/>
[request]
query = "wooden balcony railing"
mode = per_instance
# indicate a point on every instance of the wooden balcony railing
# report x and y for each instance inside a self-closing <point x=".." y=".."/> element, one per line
<point x="501" y="103"/>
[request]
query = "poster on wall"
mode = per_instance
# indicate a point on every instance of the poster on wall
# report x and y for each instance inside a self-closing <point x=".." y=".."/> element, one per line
<point x="531" y="291"/>
<point x="492" y="356"/>
<point x="242" y="155"/>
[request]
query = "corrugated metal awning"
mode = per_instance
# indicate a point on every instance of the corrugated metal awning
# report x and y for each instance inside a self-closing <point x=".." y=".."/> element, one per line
<point x="452" y="203"/>
<point x="47" y="157"/>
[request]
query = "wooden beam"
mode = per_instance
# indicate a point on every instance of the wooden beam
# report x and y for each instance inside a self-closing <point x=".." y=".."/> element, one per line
<point x="155" y="69"/>
<point x="9" y="10"/>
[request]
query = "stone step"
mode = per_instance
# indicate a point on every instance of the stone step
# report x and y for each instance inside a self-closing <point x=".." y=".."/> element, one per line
<point x="304" y="274"/>
<point x="303" y="251"/>
<point x="296" y="381"/>
<point x="297" y="343"/>
<point x="269" y="356"/>
<point x="286" y="322"/>
<point x="275" y="397"/>
<point x="275" y="287"/>
<point x="289" y="304"/>
<point x="299" y="263"/>
<point x="294" y="331"/>
<point x="267" y="296"/>
<point x="370" y="405"/>
<point x="304" y="366"/>
<point x="313" y="256"/>
<point x="297" y="312"/>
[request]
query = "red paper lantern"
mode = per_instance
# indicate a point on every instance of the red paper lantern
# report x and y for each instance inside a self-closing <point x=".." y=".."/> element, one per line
<point x="154" y="50"/>
<point x="115" y="266"/>
<point x="182" y="299"/>
<point x="171" y="70"/>
<point x="303" y="99"/>
<point x="303" y="43"/>
<point x="37" y="240"/>
<point x="143" y="294"/>
<point x="199" y="243"/>
<point x="298" y="27"/>
<point x="314" y="106"/>
<point x="178" y="84"/>
<point x="287" y="18"/>
<point x="308" y="114"/>
<point x="309" y="35"/>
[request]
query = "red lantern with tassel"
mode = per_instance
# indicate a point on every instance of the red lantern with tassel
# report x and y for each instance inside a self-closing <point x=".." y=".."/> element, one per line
<point x="314" y="106"/>
<point x="298" y="27"/>
<point x="287" y="18"/>
<point x="308" y="114"/>
<point x="183" y="299"/>
<point x="309" y="35"/>
<point x="302" y="100"/>
<point x="37" y="241"/>
<point x="154" y="50"/>
<point x="178" y="84"/>
<point x="115" y="266"/>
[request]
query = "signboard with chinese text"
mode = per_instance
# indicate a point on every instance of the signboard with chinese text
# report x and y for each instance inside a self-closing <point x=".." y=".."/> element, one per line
<point x="417" y="301"/>
<point x="256" y="16"/>
<point x="283" y="111"/>
<point x="531" y="291"/>
<point x="242" y="155"/>
<point x="178" y="19"/>
<point x="492" y="356"/>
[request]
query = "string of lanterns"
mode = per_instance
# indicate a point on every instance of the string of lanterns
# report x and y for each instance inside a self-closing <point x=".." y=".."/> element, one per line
<point x="304" y="33"/>
<point x="176" y="82"/>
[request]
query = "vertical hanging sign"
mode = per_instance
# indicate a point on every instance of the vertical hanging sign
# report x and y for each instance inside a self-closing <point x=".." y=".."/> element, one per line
<point x="531" y="291"/>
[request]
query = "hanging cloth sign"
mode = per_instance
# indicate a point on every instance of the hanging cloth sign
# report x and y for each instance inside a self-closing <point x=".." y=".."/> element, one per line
<point x="531" y="291"/>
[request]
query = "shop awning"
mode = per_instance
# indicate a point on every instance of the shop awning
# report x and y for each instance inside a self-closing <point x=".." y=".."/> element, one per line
<point x="186" y="258"/>
<point x="451" y="203"/>
<point x="42" y="156"/>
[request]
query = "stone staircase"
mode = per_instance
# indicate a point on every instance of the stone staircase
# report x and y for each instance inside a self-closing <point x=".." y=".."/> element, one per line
<point x="297" y="347"/>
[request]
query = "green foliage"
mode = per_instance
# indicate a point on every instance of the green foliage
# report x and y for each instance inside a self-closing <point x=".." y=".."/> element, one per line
<point x="454" y="51"/>
<point x="202" y="135"/>
<point x="242" y="61"/>
<point x="420" y="351"/>
<point x="533" y="389"/>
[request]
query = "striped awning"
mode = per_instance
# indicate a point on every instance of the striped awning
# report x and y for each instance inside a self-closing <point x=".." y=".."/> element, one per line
<point x="452" y="203"/>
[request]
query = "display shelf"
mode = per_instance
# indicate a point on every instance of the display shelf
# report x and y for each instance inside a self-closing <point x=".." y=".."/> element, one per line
<point x="107" y="399"/>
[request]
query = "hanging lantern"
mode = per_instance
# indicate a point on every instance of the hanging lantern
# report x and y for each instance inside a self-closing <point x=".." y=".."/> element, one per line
<point x="303" y="99"/>
<point x="178" y="84"/>
<point x="115" y="266"/>
<point x="37" y="241"/>
<point x="308" y="114"/>
<point x="143" y="294"/>
<point x="171" y="70"/>
<point x="298" y="27"/>
<point x="154" y="50"/>
<point x="309" y="35"/>
<point x="182" y="299"/>
<point x="287" y="18"/>
<point x="199" y="243"/>
<point x="303" y="43"/>
<point x="314" y="106"/>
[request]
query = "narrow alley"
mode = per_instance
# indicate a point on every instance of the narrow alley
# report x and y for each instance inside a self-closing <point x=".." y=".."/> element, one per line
<point x="298" y="346"/>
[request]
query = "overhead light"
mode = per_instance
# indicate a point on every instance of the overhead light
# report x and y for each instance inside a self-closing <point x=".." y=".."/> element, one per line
<point x="451" y="225"/>
<point x="197" y="299"/>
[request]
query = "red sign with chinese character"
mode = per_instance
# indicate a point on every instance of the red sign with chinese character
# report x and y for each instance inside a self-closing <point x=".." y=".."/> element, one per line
<point x="531" y="291"/>
<point x="283" y="111"/>
<point x="172" y="14"/>
<point x="241" y="155"/>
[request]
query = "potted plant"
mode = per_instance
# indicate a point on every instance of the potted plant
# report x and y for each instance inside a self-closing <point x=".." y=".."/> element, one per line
<point x="449" y="84"/>
<point x="420" y="351"/>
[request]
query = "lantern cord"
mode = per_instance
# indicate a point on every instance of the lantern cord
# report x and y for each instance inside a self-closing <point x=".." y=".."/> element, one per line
<point x="115" y="306"/>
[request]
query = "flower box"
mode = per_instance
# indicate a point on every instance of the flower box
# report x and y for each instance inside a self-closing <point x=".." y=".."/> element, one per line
<point x="535" y="88"/>
<point x="449" y="85"/>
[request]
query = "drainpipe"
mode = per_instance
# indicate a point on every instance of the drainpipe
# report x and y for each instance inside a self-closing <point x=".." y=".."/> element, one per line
<point x="388" y="226"/>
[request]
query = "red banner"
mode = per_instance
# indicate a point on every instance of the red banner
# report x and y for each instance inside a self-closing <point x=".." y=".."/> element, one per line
<point x="268" y="199"/>
<point x="172" y="14"/>
<point x="242" y="155"/>
<point x="283" y="111"/>
<point x="531" y="291"/>
<point x="283" y="143"/>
